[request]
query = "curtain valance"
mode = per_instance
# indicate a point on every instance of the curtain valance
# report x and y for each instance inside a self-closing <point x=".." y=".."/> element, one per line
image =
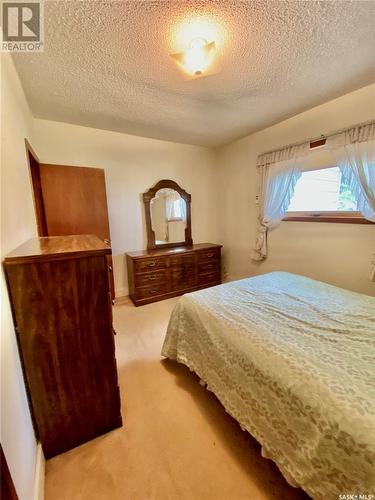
<point x="359" y="133"/>
<point x="288" y="153"/>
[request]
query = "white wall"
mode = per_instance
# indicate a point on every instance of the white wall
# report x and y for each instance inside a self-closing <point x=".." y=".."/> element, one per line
<point x="17" y="225"/>
<point x="132" y="165"/>
<point x="336" y="253"/>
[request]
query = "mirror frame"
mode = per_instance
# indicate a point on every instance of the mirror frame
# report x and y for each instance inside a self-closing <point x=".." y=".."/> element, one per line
<point x="148" y="196"/>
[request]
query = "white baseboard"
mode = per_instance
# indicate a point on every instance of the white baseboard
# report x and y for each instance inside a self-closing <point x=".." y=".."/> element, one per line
<point x="40" y="469"/>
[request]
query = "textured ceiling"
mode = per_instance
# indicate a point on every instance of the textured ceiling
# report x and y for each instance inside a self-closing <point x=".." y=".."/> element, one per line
<point x="106" y="64"/>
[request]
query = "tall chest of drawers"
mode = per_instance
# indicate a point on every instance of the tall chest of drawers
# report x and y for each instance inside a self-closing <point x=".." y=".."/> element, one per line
<point x="60" y="297"/>
<point x="159" y="274"/>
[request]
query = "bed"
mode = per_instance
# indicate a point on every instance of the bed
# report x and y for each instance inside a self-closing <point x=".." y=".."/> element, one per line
<point x="293" y="361"/>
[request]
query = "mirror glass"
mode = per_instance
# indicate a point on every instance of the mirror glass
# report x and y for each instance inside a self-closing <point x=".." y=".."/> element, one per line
<point x="168" y="216"/>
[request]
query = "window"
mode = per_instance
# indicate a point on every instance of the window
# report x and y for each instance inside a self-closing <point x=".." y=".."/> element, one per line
<point x="175" y="213"/>
<point x="177" y="209"/>
<point x="322" y="196"/>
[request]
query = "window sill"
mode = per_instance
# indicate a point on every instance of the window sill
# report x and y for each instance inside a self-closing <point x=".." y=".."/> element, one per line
<point x="337" y="217"/>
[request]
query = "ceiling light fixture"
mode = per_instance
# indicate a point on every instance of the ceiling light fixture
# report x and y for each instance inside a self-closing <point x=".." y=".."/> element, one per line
<point x="197" y="58"/>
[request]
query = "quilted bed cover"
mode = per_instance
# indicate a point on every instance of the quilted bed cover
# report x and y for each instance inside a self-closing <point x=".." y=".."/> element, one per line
<point x="293" y="361"/>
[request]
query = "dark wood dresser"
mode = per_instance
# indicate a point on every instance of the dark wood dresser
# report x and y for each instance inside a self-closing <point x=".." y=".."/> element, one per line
<point x="60" y="297"/>
<point x="159" y="274"/>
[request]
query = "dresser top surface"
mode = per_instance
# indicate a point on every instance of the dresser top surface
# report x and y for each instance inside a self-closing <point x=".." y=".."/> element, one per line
<point x="50" y="247"/>
<point x="171" y="251"/>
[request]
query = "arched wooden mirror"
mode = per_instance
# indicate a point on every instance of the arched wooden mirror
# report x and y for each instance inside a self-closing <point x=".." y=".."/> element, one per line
<point x="168" y="215"/>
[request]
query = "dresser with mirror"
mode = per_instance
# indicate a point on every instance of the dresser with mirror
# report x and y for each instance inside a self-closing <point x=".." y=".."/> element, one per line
<point x="171" y="265"/>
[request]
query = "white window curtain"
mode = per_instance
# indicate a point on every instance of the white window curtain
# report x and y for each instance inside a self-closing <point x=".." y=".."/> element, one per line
<point x="173" y="212"/>
<point x="183" y="209"/>
<point x="279" y="172"/>
<point x="354" y="152"/>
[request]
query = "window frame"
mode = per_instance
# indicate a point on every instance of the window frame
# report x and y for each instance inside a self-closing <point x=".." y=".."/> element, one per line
<point x="337" y="216"/>
<point x="346" y="217"/>
<point x="175" y="219"/>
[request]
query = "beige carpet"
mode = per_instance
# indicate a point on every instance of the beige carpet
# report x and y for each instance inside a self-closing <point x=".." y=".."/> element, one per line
<point x="177" y="442"/>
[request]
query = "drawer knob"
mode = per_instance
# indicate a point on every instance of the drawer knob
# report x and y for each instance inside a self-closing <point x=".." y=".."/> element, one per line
<point x="153" y="291"/>
<point x="151" y="264"/>
<point x="152" y="278"/>
<point x="110" y="268"/>
<point x="210" y="255"/>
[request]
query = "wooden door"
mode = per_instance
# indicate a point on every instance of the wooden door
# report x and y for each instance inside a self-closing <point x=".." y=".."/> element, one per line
<point x="75" y="200"/>
<point x="71" y="200"/>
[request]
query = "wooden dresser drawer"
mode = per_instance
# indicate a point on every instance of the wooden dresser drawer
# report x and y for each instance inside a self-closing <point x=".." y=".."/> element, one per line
<point x="183" y="278"/>
<point x="182" y="260"/>
<point x="208" y="255"/>
<point x="206" y="279"/>
<point x="145" y="265"/>
<point x="151" y="278"/>
<point x="147" y="292"/>
<point x="209" y="267"/>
